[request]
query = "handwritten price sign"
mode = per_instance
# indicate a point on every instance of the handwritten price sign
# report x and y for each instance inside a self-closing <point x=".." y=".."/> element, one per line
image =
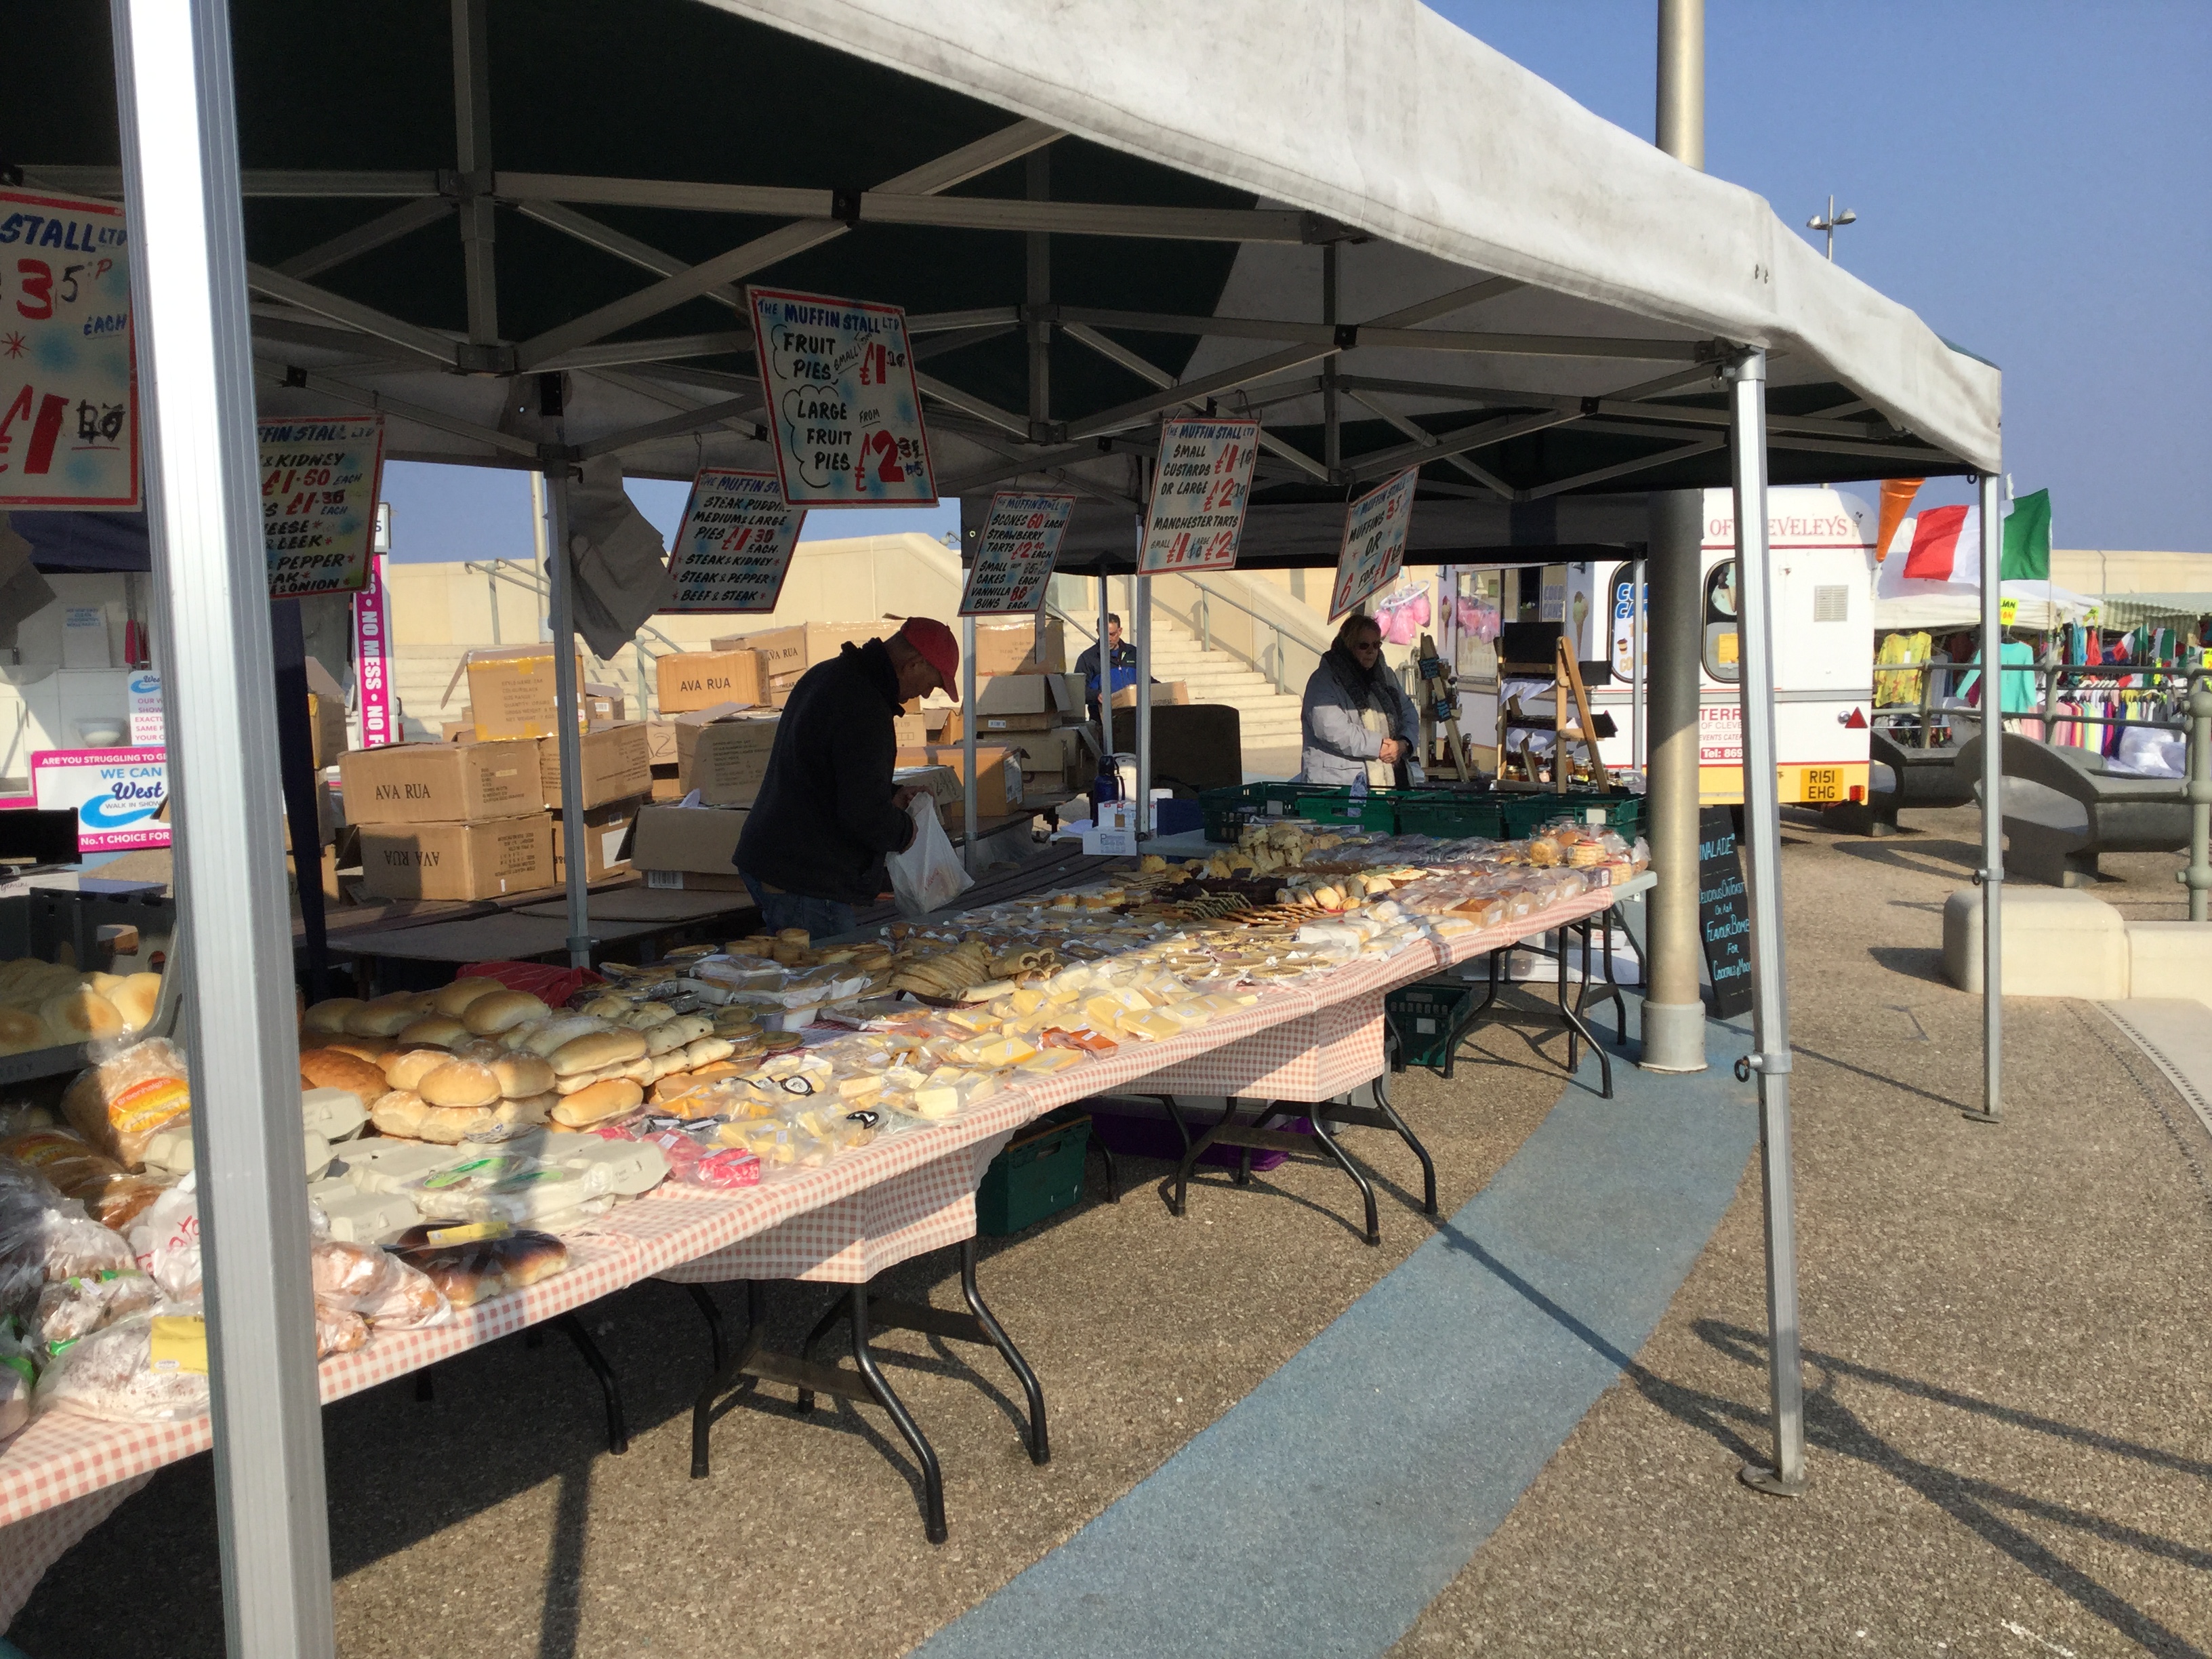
<point x="734" y="547"/>
<point x="1374" y="547"/>
<point x="1199" y="492"/>
<point x="847" y="416"/>
<point x="318" y="483"/>
<point x="1013" y="565"/>
<point x="69" y="409"/>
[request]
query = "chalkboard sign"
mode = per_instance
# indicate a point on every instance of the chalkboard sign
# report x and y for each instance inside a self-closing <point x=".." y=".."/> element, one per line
<point x="1724" y="919"/>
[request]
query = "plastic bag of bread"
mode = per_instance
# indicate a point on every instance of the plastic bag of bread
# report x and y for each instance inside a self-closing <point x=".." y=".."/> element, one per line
<point x="119" y="1105"/>
<point x="472" y="1270"/>
<point x="70" y="1309"/>
<point x="338" y="1330"/>
<point x="360" y="1279"/>
<point x="19" y="1378"/>
<point x="112" y="1197"/>
<point x="45" y="1236"/>
<point x="167" y="1241"/>
<point x="148" y="1368"/>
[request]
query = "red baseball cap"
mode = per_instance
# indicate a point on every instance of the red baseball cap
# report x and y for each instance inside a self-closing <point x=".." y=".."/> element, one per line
<point x="934" y="640"/>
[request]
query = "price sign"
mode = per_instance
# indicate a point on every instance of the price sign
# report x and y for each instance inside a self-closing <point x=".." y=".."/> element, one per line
<point x="69" y="407"/>
<point x="1198" y="491"/>
<point x="846" y="415"/>
<point x="1374" y="547"/>
<point x="318" y="481"/>
<point x="1013" y="564"/>
<point x="733" y="549"/>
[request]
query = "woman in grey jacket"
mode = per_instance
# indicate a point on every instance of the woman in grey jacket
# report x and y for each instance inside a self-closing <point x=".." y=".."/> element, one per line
<point x="1359" y="721"/>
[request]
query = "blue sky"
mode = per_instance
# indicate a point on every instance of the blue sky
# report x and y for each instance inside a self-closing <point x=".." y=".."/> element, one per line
<point x="2035" y="179"/>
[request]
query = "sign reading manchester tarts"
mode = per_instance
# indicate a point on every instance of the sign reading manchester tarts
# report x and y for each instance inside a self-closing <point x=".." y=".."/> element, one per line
<point x="1198" y="491"/>
<point x="1374" y="547"/>
<point x="847" y="416"/>
<point x="733" y="549"/>
<point x="69" y="409"/>
<point x="318" y="481"/>
<point x="1013" y="565"/>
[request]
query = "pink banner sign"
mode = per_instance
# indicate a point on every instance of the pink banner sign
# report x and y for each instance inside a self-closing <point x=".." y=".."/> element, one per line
<point x="115" y="793"/>
<point x="372" y="661"/>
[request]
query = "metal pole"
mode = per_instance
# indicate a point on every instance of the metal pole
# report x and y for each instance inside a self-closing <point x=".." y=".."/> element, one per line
<point x="1673" y="1017"/>
<point x="1635" y="666"/>
<point x="2197" y="877"/>
<point x="1105" y="682"/>
<point x="969" y="782"/>
<point x="1990" y="877"/>
<point x="1770" y="1004"/>
<point x="180" y="145"/>
<point x="1141" y="607"/>
<point x="567" y="740"/>
<point x="539" y="544"/>
<point x="1331" y="407"/>
<point x="296" y="743"/>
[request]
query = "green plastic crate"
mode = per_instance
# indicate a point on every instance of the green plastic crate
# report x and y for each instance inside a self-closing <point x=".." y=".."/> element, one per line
<point x="1449" y="815"/>
<point x="1336" y="806"/>
<point x="1038" y="1175"/>
<point x="1527" y="814"/>
<point x="1423" y="1017"/>
<point x="1225" y="811"/>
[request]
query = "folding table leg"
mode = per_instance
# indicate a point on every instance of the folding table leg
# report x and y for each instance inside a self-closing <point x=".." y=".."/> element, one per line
<point x="1195" y="1149"/>
<point x="932" y="1478"/>
<point x="1428" y="1164"/>
<point x="1577" y="1031"/>
<point x="1366" y="1189"/>
<point x="1040" y="1442"/>
<point x="703" y="1300"/>
<point x="617" y="1434"/>
<point x="730" y="1379"/>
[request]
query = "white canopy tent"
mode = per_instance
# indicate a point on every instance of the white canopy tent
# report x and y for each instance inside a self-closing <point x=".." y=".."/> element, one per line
<point x="1421" y="254"/>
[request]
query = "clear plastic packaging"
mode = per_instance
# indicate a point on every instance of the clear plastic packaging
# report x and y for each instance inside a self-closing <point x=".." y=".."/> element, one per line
<point x="119" y="1105"/>
<point x="167" y="1241"/>
<point x="360" y="1279"/>
<point x="149" y="1368"/>
<point x="69" y="1310"/>
<point x="504" y="1187"/>
<point x="44" y="1236"/>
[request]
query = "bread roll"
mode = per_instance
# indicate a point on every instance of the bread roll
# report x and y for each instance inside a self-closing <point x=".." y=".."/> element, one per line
<point x="486" y="1049"/>
<point x="136" y="999"/>
<point x="399" y="1112"/>
<point x="473" y="1272"/>
<point x="80" y="1015"/>
<point x="372" y="1050"/>
<point x="460" y="1083"/>
<point x="706" y="1050"/>
<point x="405" y="1068"/>
<point x="798" y="936"/>
<point x="330" y="1068"/>
<point x="456" y="999"/>
<point x="608" y="1005"/>
<point x="530" y="1112"/>
<point x="330" y="1015"/>
<point x="560" y="1031"/>
<point x="596" y="1049"/>
<point x="434" y="1031"/>
<point x="449" y="1126"/>
<point x="570" y="1086"/>
<point x="20" y="1031"/>
<point x="521" y="1076"/>
<point x="386" y="1017"/>
<point x="488" y="1016"/>
<point x="670" y="1034"/>
<point x="610" y="1098"/>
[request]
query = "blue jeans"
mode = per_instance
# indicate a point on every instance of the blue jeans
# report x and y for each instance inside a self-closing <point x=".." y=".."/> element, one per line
<point x="822" y="918"/>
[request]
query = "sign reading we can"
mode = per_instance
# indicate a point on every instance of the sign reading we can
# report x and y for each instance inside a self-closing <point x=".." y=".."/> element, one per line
<point x="69" y="402"/>
<point x="318" y="481"/>
<point x="1013" y="564"/>
<point x="1374" y="549"/>
<point x="733" y="549"/>
<point x="844" y="411"/>
<point x="1198" y="491"/>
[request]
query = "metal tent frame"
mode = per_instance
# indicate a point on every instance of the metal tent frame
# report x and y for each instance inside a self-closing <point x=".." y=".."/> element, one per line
<point x="1407" y="296"/>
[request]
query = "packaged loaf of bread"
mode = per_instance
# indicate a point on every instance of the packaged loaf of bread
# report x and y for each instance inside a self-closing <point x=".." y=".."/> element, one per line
<point x="45" y="1236"/>
<point x="69" y="1309"/>
<point x="338" y="1330"/>
<point x="469" y="1270"/>
<point x="119" y="1105"/>
<point x="375" y="1284"/>
<point x="111" y="1195"/>
<point x="148" y="1368"/>
<point x="19" y="1376"/>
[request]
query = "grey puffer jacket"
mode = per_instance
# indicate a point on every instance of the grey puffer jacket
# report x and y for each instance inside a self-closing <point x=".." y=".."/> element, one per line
<point x="1337" y="746"/>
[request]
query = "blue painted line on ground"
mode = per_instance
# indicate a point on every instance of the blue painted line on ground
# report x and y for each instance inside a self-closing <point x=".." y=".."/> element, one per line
<point x="1321" y="1513"/>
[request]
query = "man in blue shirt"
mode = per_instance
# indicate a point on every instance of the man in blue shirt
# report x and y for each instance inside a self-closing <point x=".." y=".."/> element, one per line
<point x="1123" y="663"/>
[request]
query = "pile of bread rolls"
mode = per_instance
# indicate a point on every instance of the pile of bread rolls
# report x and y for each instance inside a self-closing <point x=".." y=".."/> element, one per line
<point x="478" y="1061"/>
<point x="44" y="1005"/>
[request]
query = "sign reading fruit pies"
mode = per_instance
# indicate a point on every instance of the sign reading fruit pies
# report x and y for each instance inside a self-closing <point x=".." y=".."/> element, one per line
<point x="69" y="409"/>
<point x="1013" y="566"/>
<point x="734" y="550"/>
<point x="845" y="413"/>
<point x="1198" y="491"/>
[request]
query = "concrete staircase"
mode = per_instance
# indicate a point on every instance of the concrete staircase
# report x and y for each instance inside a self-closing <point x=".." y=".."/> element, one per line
<point x="1270" y="722"/>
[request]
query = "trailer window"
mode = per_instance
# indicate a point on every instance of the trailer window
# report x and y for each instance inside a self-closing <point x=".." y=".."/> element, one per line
<point x="1720" y="622"/>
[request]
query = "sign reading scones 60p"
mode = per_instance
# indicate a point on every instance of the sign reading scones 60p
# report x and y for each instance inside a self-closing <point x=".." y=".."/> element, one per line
<point x="845" y="413"/>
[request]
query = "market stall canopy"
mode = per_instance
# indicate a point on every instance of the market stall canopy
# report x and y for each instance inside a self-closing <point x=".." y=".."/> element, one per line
<point x="1363" y="225"/>
<point x="1911" y="602"/>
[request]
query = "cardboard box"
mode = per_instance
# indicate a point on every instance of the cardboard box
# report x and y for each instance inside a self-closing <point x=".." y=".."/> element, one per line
<point x="943" y="782"/>
<point x="603" y="705"/>
<point x="1019" y="703"/>
<point x="660" y="742"/>
<point x="1020" y="645"/>
<point x="998" y="774"/>
<point x="1164" y="692"/>
<point x="441" y="782"/>
<point x="463" y="729"/>
<point x="616" y="760"/>
<point x="912" y="731"/>
<point x="511" y="690"/>
<point x="326" y="714"/>
<point x="700" y="679"/>
<point x="787" y="652"/>
<point x="606" y="828"/>
<point x="666" y="784"/>
<point x="457" y="860"/>
<point x="725" y="757"/>
<point x="688" y="847"/>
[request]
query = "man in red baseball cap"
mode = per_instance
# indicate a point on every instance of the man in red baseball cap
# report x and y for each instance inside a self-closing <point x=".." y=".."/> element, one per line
<point x="814" y="846"/>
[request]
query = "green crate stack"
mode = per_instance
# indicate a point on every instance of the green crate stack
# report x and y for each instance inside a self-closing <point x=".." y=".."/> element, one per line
<point x="1227" y="811"/>
<point x="1335" y="806"/>
<point x="1449" y="815"/>
<point x="1038" y="1175"/>
<point x="1526" y="814"/>
<point x="1423" y="1017"/>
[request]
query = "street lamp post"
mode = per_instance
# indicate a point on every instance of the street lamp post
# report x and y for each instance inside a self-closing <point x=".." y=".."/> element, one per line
<point x="1828" y="222"/>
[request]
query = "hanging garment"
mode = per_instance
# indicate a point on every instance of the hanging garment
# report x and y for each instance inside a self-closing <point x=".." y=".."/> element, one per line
<point x="1900" y="686"/>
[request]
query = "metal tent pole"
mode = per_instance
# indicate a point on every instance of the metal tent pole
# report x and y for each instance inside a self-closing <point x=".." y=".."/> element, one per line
<point x="1770" y="1004"/>
<point x="180" y="143"/>
<point x="560" y="575"/>
<point x="1635" y="666"/>
<point x="969" y="784"/>
<point x="1991" y="876"/>
<point x="1140" y="606"/>
<point x="1105" y="685"/>
<point x="296" y="743"/>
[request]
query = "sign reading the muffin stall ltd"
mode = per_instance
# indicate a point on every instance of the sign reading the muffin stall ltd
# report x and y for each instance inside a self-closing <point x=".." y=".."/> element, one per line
<point x="733" y="549"/>
<point x="844" y="414"/>
<point x="1199" y="488"/>
<point x="320" y="477"/>
<point x="1013" y="565"/>
<point x="68" y="404"/>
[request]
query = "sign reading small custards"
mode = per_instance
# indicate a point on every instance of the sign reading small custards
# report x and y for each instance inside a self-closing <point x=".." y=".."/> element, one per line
<point x="1013" y="559"/>
<point x="733" y="549"/>
<point x="1199" y="488"/>
<point x="319" y="476"/>
<point x="69" y="406"/>
<point x="1374" y="547"/>
<point x="845" y="413"/>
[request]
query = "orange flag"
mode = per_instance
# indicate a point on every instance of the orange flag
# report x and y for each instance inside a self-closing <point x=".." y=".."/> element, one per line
<point x="1897" y="495"/>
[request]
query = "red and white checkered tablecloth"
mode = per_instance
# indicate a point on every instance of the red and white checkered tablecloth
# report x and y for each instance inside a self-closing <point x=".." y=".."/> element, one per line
<point x="907" y="1193"/>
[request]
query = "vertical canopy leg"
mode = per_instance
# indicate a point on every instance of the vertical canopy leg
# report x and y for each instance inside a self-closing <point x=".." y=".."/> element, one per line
<point x="567" y="740"/>
<point x="1991" y="876"/>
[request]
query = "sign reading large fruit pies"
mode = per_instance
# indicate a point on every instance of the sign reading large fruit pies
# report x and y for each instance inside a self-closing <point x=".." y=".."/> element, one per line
<point x="844" y="415"/>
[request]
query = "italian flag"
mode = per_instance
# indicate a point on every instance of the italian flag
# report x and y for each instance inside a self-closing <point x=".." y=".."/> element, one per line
<point x="1947" y="545"/>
